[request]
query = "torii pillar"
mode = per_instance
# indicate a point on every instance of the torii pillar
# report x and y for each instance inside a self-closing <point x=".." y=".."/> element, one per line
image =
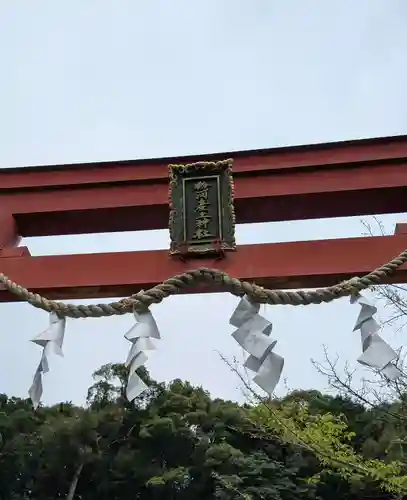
<point x="361" y="177"/>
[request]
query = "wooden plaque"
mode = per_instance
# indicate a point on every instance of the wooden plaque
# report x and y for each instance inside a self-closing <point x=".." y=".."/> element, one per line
<point x="202" y="216"/>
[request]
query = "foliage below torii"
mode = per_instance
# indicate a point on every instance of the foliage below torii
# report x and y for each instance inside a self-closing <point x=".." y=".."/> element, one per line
<point x="329" y="438"/>
<point x="176" y="442"/>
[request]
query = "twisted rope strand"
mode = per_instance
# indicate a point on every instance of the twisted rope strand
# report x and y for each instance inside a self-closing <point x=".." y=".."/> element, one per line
<point x="143" y="299"/>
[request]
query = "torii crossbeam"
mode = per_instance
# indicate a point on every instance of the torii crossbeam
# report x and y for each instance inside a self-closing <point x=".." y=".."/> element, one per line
<point x="304" y="182"/>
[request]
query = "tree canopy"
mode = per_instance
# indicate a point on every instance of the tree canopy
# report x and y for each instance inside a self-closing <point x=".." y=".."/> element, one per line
<point x="177" y="442"/>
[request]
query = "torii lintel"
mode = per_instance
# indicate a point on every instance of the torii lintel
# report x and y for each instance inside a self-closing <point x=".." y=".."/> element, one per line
<point x="360" y="177"/>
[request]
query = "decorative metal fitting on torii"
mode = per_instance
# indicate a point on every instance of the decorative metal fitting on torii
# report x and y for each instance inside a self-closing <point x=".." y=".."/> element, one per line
<point x="304" y="182"/>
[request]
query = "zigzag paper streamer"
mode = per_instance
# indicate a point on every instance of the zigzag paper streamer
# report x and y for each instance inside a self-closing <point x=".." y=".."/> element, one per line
<point x="50" y="340"/>
<point x="140" y="336"/>
<point x="377" y="353"/>
<point x="253" y="334"/>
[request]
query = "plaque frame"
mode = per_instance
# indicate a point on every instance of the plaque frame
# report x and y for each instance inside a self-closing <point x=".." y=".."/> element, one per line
<point x="201" y="196"/>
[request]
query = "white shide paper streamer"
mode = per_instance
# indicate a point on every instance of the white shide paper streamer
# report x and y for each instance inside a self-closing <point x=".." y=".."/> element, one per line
<point x="253" y="335"/>
<point x="140" y="336"/>
<point x="377" y="353"/>
<point x="50" y="340"/>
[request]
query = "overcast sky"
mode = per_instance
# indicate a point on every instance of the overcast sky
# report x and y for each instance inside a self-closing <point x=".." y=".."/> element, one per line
<point x="123" y="79"/>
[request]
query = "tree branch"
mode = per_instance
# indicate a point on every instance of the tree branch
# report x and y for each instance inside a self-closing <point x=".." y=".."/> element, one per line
<point x="74" y="482"/>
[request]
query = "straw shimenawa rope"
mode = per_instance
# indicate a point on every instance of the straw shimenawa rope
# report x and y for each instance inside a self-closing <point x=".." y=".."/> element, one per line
<point x="143" y="299"/>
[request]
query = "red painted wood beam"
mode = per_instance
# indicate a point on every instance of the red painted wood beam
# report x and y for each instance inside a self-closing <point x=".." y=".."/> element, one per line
<point x="305" y="264"/>
<point x="304" y="182"/>
<point x="9" y="236"/>
<point x="401" y="228"/>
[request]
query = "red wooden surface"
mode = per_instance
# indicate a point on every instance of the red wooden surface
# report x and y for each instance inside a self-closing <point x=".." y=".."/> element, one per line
<point x="401" y="228"/>
<point x="9" y="236"/>
<point x="280" y="265"/>
<point x="326" y="180"/>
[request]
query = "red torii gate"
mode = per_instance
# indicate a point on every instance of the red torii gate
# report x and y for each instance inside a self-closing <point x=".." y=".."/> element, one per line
<point x="360" y="177"/>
